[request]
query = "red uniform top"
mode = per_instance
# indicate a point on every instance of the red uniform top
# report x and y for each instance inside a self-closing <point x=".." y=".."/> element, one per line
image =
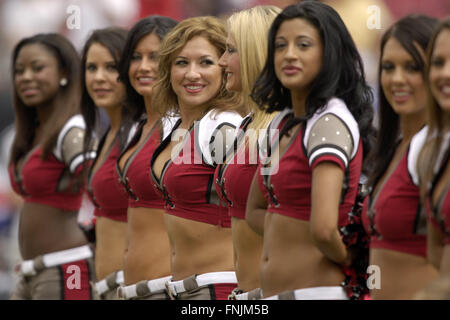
<point x="393" y="217"/>
<point x="439" y="212"/>
<point x="105" y="190"/>
<point x="331" y="135"/>
<point x="135" y="176"/>
<point x="52" y="181"/>
<point x="186" y="181"/>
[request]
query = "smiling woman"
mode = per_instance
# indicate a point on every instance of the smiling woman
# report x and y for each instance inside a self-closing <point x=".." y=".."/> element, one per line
<point x="47" y="169"/>
<point x="147" y="254"/>
<point x="393" y="215"/>
<point x="243" y="61"/>
<point x="100" y="58"/>
<point x="434" y="159"/>
<point x="302" y="193"/>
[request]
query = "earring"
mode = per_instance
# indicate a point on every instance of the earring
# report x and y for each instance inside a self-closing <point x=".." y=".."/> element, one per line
<point x="63" y="82"/>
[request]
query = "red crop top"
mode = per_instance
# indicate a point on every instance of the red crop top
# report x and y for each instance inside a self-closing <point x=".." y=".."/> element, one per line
<point x="135" y="176"/>
<point x="233" y="178"/>
<point x="52" y="181"/>
<point x="393" y="217"/>
<point x="331" y="135"/>
<point x="186" y="181"/>
<point x="105" y="191"/>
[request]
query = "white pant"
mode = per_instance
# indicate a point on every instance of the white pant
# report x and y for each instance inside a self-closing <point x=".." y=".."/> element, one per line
<point x="316" y="293"/>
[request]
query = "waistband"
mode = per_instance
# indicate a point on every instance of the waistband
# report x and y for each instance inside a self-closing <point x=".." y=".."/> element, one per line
<point x="193" y="282"/>
<point x="143" y="288"/>
<point x="317" y="293"/>
<point x="255" y="294"/>
<point x="32" y="267"/>
<point x="111" y="282"/>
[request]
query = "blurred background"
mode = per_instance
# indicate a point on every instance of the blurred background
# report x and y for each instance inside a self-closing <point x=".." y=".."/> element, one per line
<point x="366" y="20"/>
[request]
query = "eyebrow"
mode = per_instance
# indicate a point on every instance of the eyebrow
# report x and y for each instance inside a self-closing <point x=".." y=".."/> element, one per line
<point x="201" y="57"/>
<point x="296" y="38"/>
<point x="106" y="62"/>
<point x="140" y="52"/>
<point x="32" y="62"/>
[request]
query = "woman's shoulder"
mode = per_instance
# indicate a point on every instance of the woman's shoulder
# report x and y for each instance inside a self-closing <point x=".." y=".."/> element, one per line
<point x="415" y="146"/>
<point x="217" y="128"/>
<point x="339" y="108"/>
<point x="334" y="119"/>
<point x="215" y="118"/>
<point x="168" y="123"/>
<point x="76" y="126"/>
<point x="70" y="143"/>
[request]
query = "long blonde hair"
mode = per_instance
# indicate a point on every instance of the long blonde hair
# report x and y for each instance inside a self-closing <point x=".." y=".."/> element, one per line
<point x="249" y="29"/>
<point x="437" y="121"/>
<point x="164" y="99"/>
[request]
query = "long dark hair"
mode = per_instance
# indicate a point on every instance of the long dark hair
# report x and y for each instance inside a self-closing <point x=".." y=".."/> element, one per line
<point x="158" y="25"/>
<point x="66" y="101"/>
<point x="410" y="31"/>
<point x="112" y="39"/>
<point x="341" y="76"/>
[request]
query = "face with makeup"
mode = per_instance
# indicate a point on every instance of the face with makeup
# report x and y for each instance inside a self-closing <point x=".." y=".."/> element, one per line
<point x="36" y="75"/>
<point x="401" y="79"/>
<point x="230" y="62"/>
<point x="298" y="54"/>
<point x="439" y="75"/>
<point x="101" y="78"/>
<point x="144" y="64"/>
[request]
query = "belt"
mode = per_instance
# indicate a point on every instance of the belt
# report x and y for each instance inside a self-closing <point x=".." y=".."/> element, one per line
<point x="317" y="293"/>
<point x="193" y="282"/>
<point x="255" y="294"/>
<point x="143" y="288"/>
<point x="32" y="267"/>
<point x="111" y="282"/>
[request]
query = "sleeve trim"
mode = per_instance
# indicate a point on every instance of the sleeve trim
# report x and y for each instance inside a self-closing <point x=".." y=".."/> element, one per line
<point x="328" y="152"/>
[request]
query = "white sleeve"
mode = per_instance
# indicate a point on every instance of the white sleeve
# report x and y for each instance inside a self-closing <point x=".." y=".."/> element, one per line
<point x="415" y="146"/>
<point x="70" y="144"/>
<point x="215" y="135"/>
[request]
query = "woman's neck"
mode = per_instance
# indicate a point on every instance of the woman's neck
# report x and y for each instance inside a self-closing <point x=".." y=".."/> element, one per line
<point x="190" y="114"/>
<point x="411" y="124"/>
<point x="152" y="116"/>
<point x="115" y="118"/>
<point x="44" y="112"/>
<point x="298" y="104"/>
<point x="446" y="126"/>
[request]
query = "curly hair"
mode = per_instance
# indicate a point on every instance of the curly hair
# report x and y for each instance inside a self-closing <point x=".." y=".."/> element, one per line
<point x="164" y="99"/>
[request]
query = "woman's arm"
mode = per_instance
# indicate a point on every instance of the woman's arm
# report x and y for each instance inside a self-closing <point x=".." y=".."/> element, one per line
<point x="327" y="179"/>
<point x="435" y="245"/>
<point x="256" y="207"/>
